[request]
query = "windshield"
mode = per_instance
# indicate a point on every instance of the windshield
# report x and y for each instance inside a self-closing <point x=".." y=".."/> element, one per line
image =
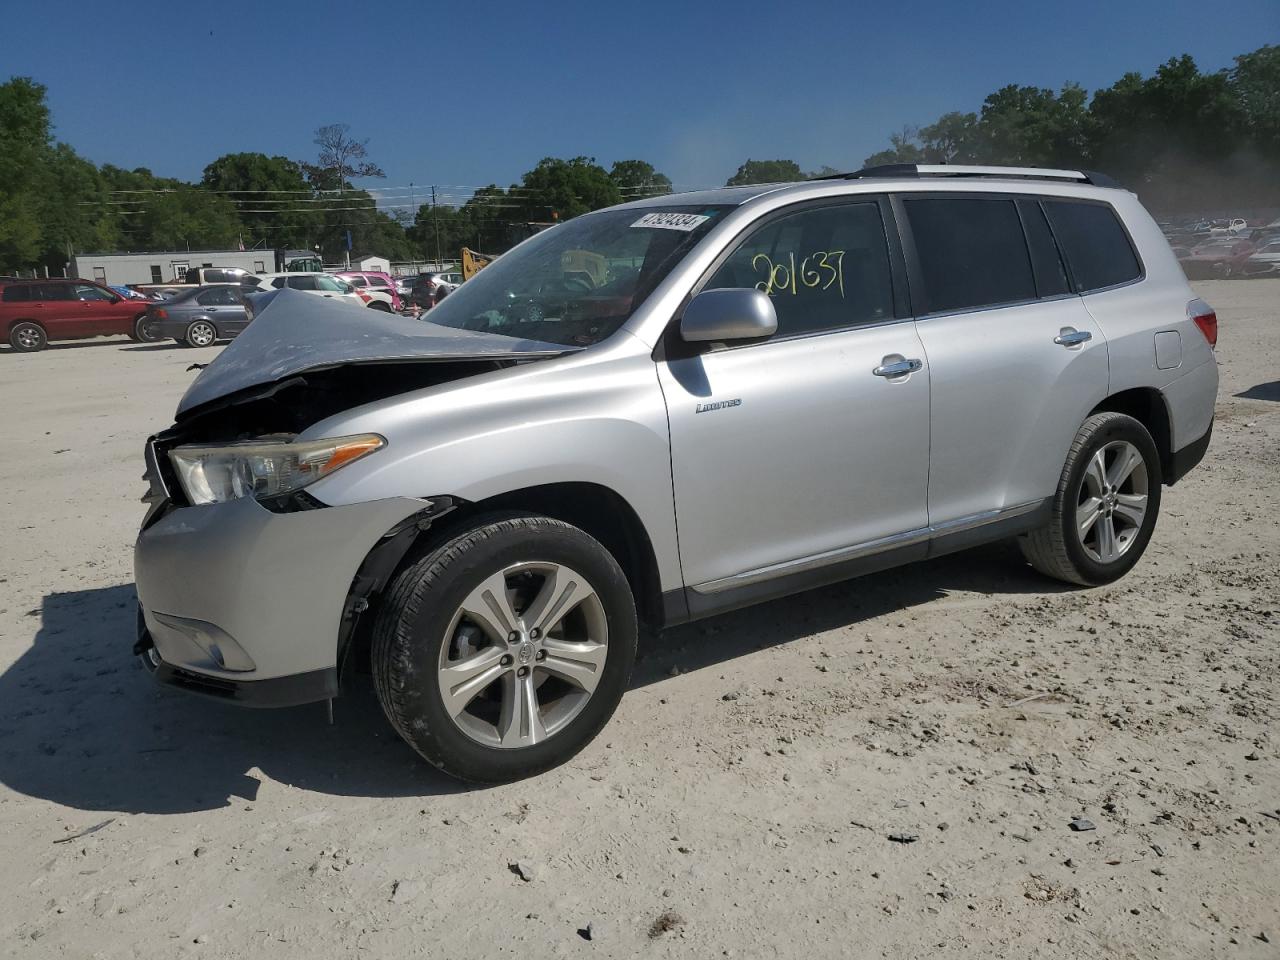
<point x="576" y="283"/>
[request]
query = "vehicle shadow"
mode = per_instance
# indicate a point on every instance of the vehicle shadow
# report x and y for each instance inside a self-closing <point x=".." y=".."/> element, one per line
<point x="1262" y="391"/>
<point x="993" y="569"/>
<point x="84" y="726"/>
<point x="56" y="345"/>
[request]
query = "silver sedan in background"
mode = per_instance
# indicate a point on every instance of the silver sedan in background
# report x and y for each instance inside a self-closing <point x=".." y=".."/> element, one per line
<point x="201" y="316"/>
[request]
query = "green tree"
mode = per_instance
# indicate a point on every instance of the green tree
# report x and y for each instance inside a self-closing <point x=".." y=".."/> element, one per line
<point x="952" y="138"/>
<point x="904" y="147"/>
<point x="559" y="189"/>
<point x="1255" y="84"/>
<point x="637" y="178"/>
<point x="24" y="141"/>
<point x="271" y="195"/>
<point x="1032" y="127"/>
<point x="766" y="171"/>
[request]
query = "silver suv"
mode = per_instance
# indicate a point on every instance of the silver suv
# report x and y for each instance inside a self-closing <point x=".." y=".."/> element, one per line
<point x="655" y="413"/>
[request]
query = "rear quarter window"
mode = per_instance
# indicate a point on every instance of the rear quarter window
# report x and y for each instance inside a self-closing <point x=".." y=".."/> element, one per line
<point x="1096" y="246"/>
<point x="16" y="293"/>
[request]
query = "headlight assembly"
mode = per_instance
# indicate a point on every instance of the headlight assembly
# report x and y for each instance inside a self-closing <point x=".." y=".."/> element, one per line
<point x="216" y="473"/>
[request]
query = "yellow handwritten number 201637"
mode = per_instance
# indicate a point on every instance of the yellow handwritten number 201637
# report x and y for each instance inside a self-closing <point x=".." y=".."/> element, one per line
<point x="816" y="270"/>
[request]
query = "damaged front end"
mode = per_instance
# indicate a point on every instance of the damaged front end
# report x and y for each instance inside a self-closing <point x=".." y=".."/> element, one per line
<point x="250" y="588"/>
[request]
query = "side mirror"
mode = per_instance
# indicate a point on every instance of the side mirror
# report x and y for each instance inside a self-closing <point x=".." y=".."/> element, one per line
<point x="735" y="313"/>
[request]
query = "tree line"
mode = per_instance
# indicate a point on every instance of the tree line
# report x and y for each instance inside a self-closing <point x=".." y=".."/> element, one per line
<point x="54" y="203"/>
<point x="1185" y="140"/>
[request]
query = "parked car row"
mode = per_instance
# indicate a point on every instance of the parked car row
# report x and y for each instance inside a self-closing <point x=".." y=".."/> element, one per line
<point x="1231" y="247"/>
<point x="196" y="314"/>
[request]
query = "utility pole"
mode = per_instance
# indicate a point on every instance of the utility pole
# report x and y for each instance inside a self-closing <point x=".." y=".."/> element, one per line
<point x="436" y="222"/>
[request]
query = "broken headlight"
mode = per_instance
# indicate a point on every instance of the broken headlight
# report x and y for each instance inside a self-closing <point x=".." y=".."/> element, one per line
<point x="216" y="473"/>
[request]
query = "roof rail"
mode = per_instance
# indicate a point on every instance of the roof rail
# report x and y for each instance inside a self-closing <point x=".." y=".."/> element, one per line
<point x="944" y="170"/>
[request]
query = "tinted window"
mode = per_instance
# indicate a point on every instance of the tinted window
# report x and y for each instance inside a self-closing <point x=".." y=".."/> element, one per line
<point x="377" y="281"/>
<point x="278" y="282"/>
<point x="219" y="297"/>
<point x="972" y="252"/>
<point x="16" y="293"/>
<point x="357" y="281"/>
<point x="302" y="283"/>
<point x="330" y="284"/>
<point x="53" y="291"/>
<point x="1096" y="246"/>
<point x="823" y="268"/>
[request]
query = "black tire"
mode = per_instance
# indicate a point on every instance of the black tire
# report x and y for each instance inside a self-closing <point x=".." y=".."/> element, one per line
<point x="414" y="620"/>
<point x="379" y="305"/>
<point x="200" y="333"/>
<point x="142" y="331"/>
<point x="1058" y="549"/>
<point x="27" y="337"/>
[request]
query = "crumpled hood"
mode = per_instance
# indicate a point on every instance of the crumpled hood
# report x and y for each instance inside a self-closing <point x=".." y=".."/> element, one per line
<point x="294" y="332"/>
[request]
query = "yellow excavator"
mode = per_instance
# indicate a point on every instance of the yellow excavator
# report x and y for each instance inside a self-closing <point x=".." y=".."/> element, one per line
<point x="473" y="262"/>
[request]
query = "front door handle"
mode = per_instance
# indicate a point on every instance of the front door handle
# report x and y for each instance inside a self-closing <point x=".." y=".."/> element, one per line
<point x="1070" y="337"/>
<point x="897" y="368"/>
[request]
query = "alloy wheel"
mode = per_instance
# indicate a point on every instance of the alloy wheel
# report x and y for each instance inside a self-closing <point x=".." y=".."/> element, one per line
<point x="28" y="338"/>
<point x="523" y="654"/>
<point x="201" y="334"/>
<point x="1112" y="501"/>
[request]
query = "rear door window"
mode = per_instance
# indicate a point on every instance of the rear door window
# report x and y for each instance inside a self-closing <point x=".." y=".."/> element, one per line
<point x="1096" y="246"/>
<point x="972" y="252"/>
<point x="824" y="268"/>
<point x="221" y="297"/>
<point x="54" y="291"/>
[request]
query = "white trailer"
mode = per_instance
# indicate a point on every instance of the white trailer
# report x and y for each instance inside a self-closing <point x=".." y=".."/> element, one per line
<point x="165" y="266"/>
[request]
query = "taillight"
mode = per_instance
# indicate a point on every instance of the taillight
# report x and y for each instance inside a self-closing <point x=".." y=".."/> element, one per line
<point x="1206" y="319"/>
<point x="160" y="313"/>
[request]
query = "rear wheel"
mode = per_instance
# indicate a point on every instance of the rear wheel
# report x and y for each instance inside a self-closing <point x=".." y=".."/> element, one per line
<point x="200" y="333"/>
<point x="379" y="305"/>
<point x="504" y="650"/>
<point x="27" y="337"/>
<point x="1106" y="505"/>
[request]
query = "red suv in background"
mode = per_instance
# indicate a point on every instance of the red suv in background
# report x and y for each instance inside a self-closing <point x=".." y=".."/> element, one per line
<point x="33" y="312"/>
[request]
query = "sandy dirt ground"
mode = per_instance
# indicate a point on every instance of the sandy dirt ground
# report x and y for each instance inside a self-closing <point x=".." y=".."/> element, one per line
<point x="742" y="801"/>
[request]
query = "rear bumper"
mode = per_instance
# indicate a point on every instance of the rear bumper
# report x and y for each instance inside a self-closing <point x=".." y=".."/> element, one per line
<point x="234" y="596"/>
<point x="1181" y="462"/>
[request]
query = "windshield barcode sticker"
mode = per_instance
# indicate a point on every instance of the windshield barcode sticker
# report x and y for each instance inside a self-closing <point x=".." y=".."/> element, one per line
<point x="672" y="221"/>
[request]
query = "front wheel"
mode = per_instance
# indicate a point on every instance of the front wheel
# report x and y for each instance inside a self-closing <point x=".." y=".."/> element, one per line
<point x="379" y="305"/>
<point x="1106" y="505"/>
<point x="504" y="650"/>
<point x="200" y="333"/>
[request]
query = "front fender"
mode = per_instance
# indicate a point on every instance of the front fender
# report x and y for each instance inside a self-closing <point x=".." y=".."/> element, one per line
<point x="595" y="417"/>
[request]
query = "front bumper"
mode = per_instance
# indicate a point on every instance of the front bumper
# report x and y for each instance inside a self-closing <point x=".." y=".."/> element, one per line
<point x="234" y="596"/>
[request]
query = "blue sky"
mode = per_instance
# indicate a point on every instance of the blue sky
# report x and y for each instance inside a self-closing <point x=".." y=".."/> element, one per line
<point x="695" y="88"/>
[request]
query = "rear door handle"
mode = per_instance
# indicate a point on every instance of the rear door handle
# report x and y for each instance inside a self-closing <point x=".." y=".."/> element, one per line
<point x="1070" y="337"/>
<point x="897" y="368"/>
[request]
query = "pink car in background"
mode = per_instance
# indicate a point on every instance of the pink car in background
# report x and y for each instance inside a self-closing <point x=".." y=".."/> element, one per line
<point x="374" y="280"/>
